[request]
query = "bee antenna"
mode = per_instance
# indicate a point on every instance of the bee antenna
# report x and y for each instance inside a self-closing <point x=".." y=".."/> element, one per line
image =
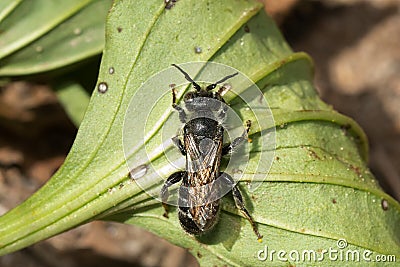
<point x="212" y="86"/>
<point x="195" y="85"/>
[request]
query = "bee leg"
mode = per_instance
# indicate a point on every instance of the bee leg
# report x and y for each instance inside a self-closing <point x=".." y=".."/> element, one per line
<point x="164" y="194"/>
<point x="222" y="114"/>
<point x="237" y="197"/>
<point x="179" y="145"/>
<point x="181" y="111"/>
<point x="227" y="149"/>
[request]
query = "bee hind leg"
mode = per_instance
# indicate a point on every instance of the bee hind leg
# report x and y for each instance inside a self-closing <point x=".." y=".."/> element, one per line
<point x="237" y="197"/>
<point x="164" y="194"/>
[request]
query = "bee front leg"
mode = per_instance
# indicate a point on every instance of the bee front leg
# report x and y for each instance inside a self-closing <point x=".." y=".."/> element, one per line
<point x="237" y="197"/>
<point x="181" y="111"/>
<point x="164" y="194"/>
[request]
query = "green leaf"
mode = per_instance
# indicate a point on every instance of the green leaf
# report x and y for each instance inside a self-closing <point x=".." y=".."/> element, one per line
<point x="74" y="99"/>
<point x="317" y="191"/>
<point x="7" y="6"/>
<point x="40" y="35"/>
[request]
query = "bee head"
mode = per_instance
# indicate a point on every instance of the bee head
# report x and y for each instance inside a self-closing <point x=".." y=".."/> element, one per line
<point x="202" y="99"/>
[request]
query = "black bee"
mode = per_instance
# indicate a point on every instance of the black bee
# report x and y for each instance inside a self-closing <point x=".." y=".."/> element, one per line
<point x="202" y="181"/>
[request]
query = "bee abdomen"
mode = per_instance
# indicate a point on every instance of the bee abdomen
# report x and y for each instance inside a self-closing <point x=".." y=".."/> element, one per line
<point x="200" y="219"/>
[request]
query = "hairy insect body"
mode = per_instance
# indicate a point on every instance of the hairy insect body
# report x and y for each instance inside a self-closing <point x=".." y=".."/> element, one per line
<point x="195" y="216"/>
<point x="202" y="181"/>
<point x="199" y="201"/>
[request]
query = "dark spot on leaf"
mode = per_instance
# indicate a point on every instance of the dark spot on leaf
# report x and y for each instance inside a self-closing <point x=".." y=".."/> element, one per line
<point x="334" y="201"/>
<point x="313" y="154"/>
<point x="246" y="28"/>
<point x="169" y="3"/>
<point x="119" y="29"/>
<point x="102" y="87"/>
<point x="283" y="62"/>
<point x="121" y="185"/>
<point x="384" y="204"/>
<point x="277" y="158"/>
<point x="356" y="169"/>
<point x="199" y="254"/>
<point x="197" y="49"/>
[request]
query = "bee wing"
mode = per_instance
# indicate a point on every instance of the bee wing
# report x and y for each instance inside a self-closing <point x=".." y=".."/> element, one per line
<point x="203" y="159"/>
<point x="202" y="165"/>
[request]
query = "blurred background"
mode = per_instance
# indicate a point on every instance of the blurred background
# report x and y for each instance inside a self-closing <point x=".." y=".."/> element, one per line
<point x="355" y="46"/>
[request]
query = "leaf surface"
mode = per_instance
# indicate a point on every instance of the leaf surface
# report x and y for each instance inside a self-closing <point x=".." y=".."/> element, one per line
<point x="317" y="191"/>
<point x="39" y="36"/>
